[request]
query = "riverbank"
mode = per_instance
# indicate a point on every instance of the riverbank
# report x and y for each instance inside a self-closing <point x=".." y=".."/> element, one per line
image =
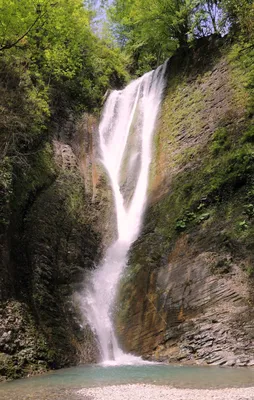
<point x="153" y="392"/>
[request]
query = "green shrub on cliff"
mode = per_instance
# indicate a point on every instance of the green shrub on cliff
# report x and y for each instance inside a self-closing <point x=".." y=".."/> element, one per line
<point x="225" y="171"/>
<point x="52" y="68"/>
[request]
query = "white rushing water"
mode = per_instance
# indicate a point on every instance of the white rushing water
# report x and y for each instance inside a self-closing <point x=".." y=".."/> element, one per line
<point x="125" y="134"/>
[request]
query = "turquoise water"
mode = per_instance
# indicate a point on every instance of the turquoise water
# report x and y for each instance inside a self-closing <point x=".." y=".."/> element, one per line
<point x="63" y="384"/>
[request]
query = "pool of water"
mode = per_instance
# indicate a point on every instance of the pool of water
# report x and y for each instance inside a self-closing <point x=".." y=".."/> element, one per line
<point x="63" y="384"/>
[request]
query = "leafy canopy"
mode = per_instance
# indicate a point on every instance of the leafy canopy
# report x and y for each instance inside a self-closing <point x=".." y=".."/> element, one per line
<point x="150" y="30"/>
<point x="50" y="61"/>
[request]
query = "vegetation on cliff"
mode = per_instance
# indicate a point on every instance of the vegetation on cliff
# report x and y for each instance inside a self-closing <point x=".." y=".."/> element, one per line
<point x="52" y="69"/>
<point x="51" y="64"/>
<point x="195" y="253"/>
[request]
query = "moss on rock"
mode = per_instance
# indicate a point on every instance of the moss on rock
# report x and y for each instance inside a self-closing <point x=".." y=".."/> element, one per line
<point x="192" y="259"/>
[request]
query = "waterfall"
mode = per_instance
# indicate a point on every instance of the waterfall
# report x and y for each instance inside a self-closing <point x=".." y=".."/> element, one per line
<point x="125" y="135"/>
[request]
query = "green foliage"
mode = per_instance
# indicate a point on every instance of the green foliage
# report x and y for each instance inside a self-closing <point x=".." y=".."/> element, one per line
<point x="181" y="224"/>
<point x="150" y="30"/>
<point x="58" y="44"/>
<point x="234" y="169"/>
<point x="24" y="108"/>
<point x="243" y="225"/>
<point x="242" y="58"/>
<point x="52" y="66"/>
<point x="249" y="210"/>
<point x="197" y="195"/>
<point x="17" y="19"/>
<point x="220" y="141"/>
<point x="240" y="15"/>
<point x="248" y="135"/>
<point x="203" y="217"/>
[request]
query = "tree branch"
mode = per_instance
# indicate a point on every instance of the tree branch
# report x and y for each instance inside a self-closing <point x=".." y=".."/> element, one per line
<point x="9" y="46"/>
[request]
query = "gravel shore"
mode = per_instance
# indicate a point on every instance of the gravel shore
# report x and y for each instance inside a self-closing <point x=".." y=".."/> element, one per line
<point x="152" y="392"/>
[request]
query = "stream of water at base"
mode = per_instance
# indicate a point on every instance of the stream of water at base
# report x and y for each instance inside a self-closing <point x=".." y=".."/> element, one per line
<point x="64" y="384"/>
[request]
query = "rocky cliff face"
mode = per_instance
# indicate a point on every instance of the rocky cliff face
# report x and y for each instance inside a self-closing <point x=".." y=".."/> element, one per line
<point x="187" y="294"/>
<point x="53" y="237"/>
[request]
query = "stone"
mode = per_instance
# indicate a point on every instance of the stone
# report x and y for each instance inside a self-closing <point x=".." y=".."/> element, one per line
<point x="196" y="298"/>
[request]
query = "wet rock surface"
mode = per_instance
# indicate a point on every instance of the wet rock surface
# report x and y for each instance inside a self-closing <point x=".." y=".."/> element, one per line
<point x="187" y="294"/>
<point x="185" y="313"/>
<point x="53" y="243"/>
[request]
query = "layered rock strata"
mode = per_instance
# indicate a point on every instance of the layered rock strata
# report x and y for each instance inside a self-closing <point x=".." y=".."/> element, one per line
<point x="187" y="294"/>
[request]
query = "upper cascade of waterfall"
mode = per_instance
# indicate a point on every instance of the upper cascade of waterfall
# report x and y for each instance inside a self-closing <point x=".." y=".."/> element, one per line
<point x="128" y="119"/>
<point x="125" y="135"/>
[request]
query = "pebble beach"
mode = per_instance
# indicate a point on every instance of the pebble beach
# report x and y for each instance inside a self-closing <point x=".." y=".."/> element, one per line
<point x="154" y="392"/>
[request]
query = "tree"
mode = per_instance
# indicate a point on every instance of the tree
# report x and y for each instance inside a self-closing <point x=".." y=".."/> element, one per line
<point x="50" y="60"/>
<point x="17" y="21"/>
<point x="239" y="14"/>
<point x="151" y="29"/>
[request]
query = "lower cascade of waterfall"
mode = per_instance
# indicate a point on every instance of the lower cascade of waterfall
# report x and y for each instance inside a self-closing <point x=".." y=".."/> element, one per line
<point x="125" y="135"/>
